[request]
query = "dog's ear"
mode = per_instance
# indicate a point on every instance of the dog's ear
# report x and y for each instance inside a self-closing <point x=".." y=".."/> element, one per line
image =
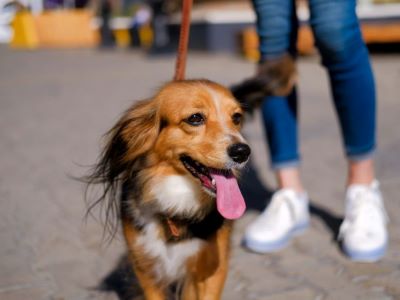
<point x="133" y="135"/>
<point x="139" y="128"/>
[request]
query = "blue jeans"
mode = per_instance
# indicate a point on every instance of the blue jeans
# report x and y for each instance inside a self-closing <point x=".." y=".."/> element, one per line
<point x="344" y="54"/>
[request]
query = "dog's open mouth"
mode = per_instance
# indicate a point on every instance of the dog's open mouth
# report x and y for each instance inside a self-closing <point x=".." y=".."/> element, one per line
<point x="201" y="172"/>
<point x="221" y="184"/>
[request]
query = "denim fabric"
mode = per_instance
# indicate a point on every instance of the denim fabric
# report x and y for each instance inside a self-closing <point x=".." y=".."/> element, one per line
<point x="339" y="41"/>
<point x="280" y="120"/>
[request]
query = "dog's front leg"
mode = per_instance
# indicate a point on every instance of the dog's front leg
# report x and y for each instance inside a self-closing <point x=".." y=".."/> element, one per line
<point x="142" y="266"/>
<point x="150" y="289"/>
<point x="189" y="290"/>
<point x="208" y="273"/>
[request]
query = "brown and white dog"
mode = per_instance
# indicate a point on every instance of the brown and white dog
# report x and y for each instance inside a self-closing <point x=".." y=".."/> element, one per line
<point x="170" y="166"/>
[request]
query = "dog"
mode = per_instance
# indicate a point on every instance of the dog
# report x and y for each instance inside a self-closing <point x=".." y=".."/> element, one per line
<point x="170" y="166"/>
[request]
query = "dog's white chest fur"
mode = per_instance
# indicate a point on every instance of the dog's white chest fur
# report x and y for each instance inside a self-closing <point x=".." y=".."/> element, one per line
<point x="170" y="258"/>
<point x="177" y="195"/>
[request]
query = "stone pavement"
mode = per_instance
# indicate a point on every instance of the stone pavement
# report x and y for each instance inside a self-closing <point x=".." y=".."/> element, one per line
<point x="54" y="107"/>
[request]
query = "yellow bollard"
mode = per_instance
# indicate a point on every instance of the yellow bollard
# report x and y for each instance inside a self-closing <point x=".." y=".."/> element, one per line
<point x="146" y="36"/>
<point x="58" y="28"/>
<point x="24" y="31"/>
<point x="122" y="37"/>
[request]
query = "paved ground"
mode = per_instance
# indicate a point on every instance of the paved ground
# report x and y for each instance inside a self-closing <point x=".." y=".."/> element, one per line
<point x="55" y="105"/>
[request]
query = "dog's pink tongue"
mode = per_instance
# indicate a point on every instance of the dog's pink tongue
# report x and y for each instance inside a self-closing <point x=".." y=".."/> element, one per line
<point x="230" y="202"/>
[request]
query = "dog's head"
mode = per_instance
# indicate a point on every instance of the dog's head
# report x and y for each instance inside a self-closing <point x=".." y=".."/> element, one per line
<point x="199" y="132"/>
<point x="190" y="128"/>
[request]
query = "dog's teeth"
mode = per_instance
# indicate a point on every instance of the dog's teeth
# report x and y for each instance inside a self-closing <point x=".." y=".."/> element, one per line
<point x="213" y="181"/>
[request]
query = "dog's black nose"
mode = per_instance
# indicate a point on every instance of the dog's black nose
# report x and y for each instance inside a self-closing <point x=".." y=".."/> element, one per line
<point x="239" y="152"/>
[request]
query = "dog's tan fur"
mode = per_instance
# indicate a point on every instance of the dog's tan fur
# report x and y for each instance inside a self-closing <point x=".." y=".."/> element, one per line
<point x="144" y="148"/>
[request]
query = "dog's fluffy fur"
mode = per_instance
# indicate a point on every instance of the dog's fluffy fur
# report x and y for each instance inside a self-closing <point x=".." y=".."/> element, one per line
<point x="172" y="228"/>
<point x="275" y="77"/>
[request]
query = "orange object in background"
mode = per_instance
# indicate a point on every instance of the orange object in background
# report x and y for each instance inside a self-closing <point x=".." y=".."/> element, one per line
<point x="56" y="28"/>
<point x="24" y="31"/>
<point x="385" y="32"/>
<point x="249" y="42"/>
<point x="305" y="41"/>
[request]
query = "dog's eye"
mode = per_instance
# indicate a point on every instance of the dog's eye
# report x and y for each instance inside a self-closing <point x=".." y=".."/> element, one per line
<point x="195" y="119"/>
<point x="237" y="118"/>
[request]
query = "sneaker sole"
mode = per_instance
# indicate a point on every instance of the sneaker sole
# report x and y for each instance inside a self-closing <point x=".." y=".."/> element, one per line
<point x="365" y="256"/>
<point x="260" y="247"/>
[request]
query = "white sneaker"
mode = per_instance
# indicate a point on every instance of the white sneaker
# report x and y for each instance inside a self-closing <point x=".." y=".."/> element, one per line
<point x="363" y="231"/>
<point x="286" y="215"/>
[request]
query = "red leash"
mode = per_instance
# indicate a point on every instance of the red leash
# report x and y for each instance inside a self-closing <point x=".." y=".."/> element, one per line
<point x="180" y="65"/>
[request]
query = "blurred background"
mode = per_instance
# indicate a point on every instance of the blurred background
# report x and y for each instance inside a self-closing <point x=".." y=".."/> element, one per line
<point x="224" y="25"/>
<point x="69" y="68"/>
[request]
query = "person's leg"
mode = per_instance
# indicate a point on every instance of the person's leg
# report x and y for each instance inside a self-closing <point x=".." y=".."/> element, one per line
<point x="344" y="54"/>
<point x="361" y="172"/>
<point x="287" y="213"/>
<point x="276" y="27"/>
<point x="289" y="178"/>
<point x="277" y="30"/>
<point x="280" y="123"/>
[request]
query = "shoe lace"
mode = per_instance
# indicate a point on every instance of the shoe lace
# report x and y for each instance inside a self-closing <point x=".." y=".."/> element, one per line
<point x="365" y="209"/>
